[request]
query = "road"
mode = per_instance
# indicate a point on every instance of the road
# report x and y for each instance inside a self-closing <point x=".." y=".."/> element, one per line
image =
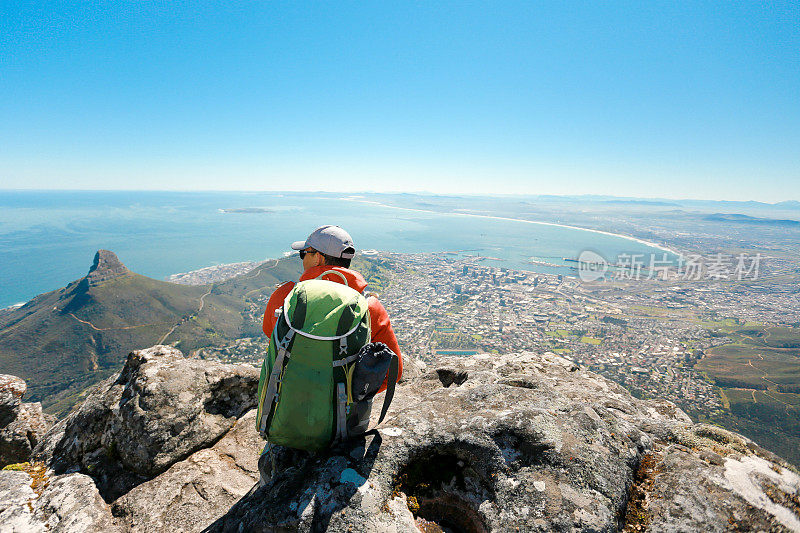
<point x="182" y="320"/>
<point x="110" y="329"/>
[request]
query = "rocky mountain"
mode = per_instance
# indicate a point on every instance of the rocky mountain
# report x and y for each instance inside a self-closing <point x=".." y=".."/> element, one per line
<point x="66" y="340"/>
<point x="517" y="442"/>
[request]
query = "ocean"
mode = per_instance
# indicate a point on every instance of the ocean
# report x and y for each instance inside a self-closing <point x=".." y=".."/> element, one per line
<point x="48" y="239"/>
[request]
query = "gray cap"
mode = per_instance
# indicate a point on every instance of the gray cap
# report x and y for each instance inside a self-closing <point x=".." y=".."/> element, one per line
<point x="330" y="240"/>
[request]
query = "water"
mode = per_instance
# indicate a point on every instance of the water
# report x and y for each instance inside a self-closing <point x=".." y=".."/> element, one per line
<point x="48" y="239"/>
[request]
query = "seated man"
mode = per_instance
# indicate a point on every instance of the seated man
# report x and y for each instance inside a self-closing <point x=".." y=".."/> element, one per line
<point x="330" y="248"/>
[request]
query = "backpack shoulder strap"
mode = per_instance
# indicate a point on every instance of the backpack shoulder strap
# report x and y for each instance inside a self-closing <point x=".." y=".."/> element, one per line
<point x="344" y="279"/>
<point x="391" y="381"/>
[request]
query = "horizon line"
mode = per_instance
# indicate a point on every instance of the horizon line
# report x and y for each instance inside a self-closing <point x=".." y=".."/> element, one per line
<point x="419" y="193"/>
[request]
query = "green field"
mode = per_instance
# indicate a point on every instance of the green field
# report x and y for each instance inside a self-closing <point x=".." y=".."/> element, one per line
<point x="751" y="366"/>
<point x="769" y="417"/>
<point x="759" y="374"/>
<point x="559" y="333"/>
<point x="781" y="400"/>
<point x="754" y="332"/>
<point x="783" y="337"/>
<point x="452" y="340"/>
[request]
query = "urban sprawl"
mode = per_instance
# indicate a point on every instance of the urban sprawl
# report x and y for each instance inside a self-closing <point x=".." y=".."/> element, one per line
<point x="647" y="334"/>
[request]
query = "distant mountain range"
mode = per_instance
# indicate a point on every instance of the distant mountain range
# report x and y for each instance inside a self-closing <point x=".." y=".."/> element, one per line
<point x="67" y="339"/>
<point x="746" y="219"/>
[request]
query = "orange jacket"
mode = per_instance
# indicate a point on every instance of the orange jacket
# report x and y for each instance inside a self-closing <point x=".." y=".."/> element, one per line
<point x="379" y="319"/>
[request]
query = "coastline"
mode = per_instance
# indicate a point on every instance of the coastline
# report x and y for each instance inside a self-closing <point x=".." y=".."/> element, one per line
<point x="509" y="219"/>
<point x="26" y="283"/>
<point x="213" y="273"/>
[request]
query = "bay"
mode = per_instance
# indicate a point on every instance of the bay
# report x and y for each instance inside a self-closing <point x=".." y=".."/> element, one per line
<point x="48" y="238"/>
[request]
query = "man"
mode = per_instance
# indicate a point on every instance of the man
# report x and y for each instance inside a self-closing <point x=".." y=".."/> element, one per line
<point x="330" y="248"/>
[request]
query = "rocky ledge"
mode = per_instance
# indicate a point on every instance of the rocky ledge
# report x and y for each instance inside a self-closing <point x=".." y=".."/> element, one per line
<point x="519" y="442"/>
<point x="21" y="424"/>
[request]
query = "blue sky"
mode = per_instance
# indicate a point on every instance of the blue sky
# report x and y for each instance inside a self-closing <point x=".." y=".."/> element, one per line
<point x="668" y="99"/>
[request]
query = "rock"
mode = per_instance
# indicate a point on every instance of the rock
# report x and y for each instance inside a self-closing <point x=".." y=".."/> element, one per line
<point x="172" y="406"/>
<point x="412" y="368"/>
<point x="160" y="409"/>
<point x="517" y="442"/>
<point x="523" y="442"/>
<point x="12" y="389"/>
<point x="20" y="437"/>
<point x="195" y="492"/>
<point x="106" y="266"/>
<point x="689" y="494"/>
<point x="22" y="425"/>
<point x="15" y="490"/>
<point x="450" y="376"/>
<point x="68" y="504"/>
<point x="75" y="442"/>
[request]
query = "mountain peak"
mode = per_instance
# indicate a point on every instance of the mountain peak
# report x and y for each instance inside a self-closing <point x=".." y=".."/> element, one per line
<point x="106" y="266"/>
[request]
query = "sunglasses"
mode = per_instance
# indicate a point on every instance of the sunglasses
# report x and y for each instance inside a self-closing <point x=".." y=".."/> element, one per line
<point x="304" y="252"/>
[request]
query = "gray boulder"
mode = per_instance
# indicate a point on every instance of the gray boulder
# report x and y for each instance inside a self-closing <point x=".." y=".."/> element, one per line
<point x="12" y="389"/>
<point x="525" y="442"/>
<point x="15" y="490"/>
<point x="172" y="406"/>
<point x="160" y="409"/>
<point x="193" y="493"/>
<point x="64" y="504"/>
<point x="412" y="368"/>
<point x="708" y="479"/>
<point x="22" y="425"/>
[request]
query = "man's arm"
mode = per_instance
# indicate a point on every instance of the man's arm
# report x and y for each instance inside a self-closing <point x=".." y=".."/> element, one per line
<point x="275" y="301"/>
<point x="382" y="332"/>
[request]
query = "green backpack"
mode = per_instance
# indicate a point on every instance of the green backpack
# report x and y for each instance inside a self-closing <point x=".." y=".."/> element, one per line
<point x="304" y="395"/>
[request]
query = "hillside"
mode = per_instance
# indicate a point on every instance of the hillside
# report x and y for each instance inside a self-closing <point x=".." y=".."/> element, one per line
<point x="67" y="339"/>
<point x="758" y="376"/>
<point x="63" y="341"/>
